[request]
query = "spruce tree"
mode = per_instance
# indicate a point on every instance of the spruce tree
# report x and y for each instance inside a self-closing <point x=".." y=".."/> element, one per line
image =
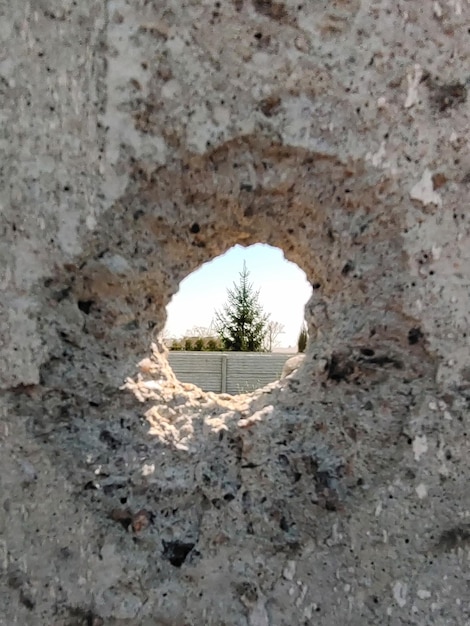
<point x="242" y="324"/>
<point x="303" y="338"/>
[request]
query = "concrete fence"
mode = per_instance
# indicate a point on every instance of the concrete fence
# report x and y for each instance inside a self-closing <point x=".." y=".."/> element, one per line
<point x="227" y="372"/>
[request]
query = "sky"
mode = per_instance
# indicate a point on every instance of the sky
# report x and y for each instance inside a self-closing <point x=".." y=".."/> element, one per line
<point x="283" y="291"/>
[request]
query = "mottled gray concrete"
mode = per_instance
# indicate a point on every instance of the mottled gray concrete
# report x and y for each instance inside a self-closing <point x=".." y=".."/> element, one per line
<point x="142" y="139"/>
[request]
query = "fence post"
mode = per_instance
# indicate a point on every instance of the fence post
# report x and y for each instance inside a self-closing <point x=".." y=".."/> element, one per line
<point x="223" y="365"/>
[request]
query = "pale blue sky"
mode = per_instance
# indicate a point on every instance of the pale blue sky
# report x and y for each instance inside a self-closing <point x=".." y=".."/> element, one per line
<point x="284" y="290"/>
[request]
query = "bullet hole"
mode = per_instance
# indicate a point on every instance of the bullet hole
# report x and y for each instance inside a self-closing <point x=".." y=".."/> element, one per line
<point x="258" y="35"/>
<point x="85" y="306"/>
<point x="414" y="335"/>
<point x="195" y="228"/>
<point x="212" y="380"/>
<point x="367" y="352"/>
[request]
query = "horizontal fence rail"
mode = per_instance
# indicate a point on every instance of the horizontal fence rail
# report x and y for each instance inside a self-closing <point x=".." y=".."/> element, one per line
<point x="227" y="372"/>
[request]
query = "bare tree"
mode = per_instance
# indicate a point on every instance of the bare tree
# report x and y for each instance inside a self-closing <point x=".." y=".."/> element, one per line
<point x="199" y="331"/>
<point x="271" y="338"/>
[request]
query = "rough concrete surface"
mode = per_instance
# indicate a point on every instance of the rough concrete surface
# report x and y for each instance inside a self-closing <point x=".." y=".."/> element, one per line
<point x="142" y="138"/>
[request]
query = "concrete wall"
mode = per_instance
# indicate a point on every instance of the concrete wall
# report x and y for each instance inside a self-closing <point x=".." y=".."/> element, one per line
<point x="142" y="139"/>
<point x="229" y="372"/>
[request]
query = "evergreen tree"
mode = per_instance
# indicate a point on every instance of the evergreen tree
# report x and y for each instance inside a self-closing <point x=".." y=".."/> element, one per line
<point x="303" y="338"/>
<point x="242" y="324"/>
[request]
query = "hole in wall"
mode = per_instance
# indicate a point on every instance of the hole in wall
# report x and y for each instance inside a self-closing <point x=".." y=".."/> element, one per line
<point x="237" y="320"/>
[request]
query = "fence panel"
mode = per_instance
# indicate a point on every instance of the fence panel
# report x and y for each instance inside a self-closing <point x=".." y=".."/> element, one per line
<point x="203" y="369"/>
<point x="247" y="372"/>
<point x="231" y="372"/>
